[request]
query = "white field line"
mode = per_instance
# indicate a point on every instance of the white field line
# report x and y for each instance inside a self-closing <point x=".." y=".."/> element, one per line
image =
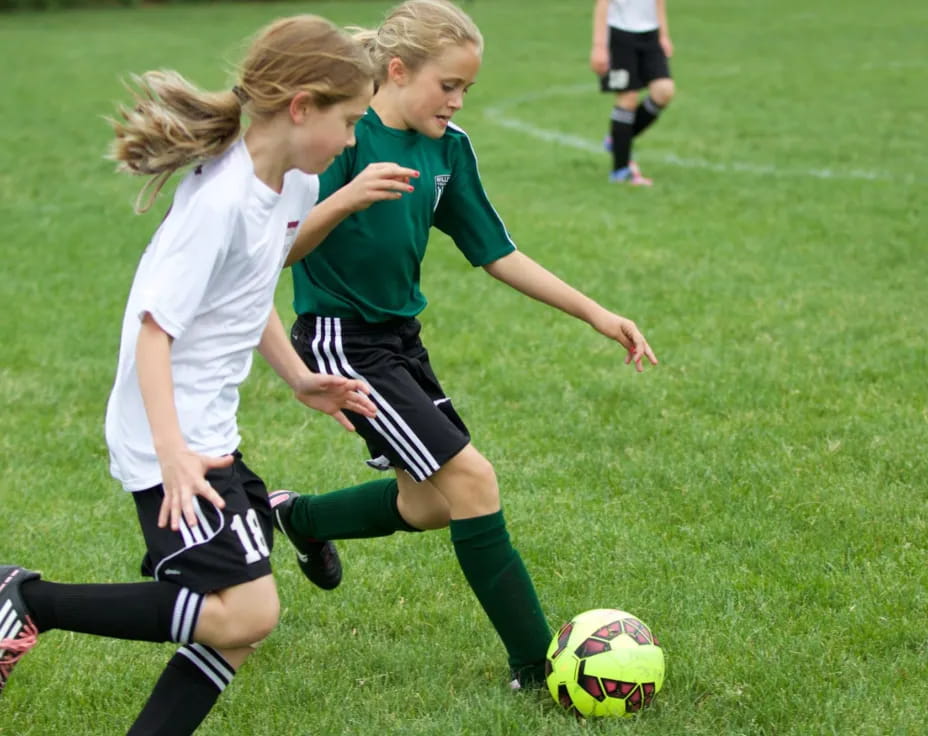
<point x="499" y="114"/>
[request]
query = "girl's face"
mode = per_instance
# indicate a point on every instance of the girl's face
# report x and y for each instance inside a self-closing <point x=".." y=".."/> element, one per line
<point x="323" y="133"/>
<point x="431" y="95"/>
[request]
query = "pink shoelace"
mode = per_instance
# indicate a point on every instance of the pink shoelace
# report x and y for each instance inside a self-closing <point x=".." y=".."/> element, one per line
<point x="15" y="649"/>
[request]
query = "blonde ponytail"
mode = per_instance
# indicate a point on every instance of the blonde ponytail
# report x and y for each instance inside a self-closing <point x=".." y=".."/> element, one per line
<point x="171" y="123"/>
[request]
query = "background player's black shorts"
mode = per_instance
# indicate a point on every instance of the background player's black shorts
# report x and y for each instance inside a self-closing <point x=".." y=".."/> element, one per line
<point x="225" y="548"/>
<point x="635" y="59"/>
<point x="416" y="427"/>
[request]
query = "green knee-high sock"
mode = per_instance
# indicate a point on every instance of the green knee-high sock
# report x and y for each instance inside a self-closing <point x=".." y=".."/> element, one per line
<point x="498" y="577"/>
<point x="367" y="510"/>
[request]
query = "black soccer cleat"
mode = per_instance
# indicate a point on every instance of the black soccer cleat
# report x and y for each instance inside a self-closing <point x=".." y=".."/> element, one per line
<point x="318" y="559"/>
<point x="18" y="634"/>
<point x="528" y="677"/>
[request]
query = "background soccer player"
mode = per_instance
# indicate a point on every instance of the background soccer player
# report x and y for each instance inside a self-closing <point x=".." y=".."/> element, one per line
<point x="630" y="51"/>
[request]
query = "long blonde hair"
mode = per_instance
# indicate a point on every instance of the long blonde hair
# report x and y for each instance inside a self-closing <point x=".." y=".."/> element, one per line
<point x="172" y="123"/>
<point x="417" y="31"/>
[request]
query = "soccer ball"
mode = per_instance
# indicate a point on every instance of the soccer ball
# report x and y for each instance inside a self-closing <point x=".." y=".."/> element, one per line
<point x="604" y="662"/>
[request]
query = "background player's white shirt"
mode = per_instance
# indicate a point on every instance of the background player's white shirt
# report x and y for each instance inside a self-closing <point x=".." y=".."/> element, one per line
<point x="636" y="16"/>
<point x="208" y="279"/>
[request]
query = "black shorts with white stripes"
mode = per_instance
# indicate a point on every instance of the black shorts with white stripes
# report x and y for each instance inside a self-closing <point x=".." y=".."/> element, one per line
<point x="226" y="547"/>
<point x="416" y="427"/>
<point x="635" y="60"/>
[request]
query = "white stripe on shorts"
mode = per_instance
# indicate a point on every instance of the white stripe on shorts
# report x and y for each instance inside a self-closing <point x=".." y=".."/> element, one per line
<point x="388" y="422"/>
<point x="193" y="536"/>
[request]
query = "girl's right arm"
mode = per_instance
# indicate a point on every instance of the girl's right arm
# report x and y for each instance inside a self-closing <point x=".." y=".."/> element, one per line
<point x="599" y="52"/>
<point x="182" y="470"/>
<point x="377" y="182"/>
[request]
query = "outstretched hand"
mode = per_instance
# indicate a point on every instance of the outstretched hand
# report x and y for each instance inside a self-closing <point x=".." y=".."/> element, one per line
<point x="332" y="394"/>
<point x="626" y="333"/>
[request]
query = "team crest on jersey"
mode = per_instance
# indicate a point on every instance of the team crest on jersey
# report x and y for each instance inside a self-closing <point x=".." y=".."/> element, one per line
<point x="440" y="182"/>
<point x="293" y="228"/>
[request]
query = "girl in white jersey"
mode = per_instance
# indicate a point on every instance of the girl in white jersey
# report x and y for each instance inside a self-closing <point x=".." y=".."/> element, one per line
<point x="358" y="297"/>
<point x="630" y="51"/>
<point x="200" y="304"/>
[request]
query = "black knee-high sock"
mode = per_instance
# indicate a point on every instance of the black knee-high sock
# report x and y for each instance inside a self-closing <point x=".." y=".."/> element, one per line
<point x="155" y="611"/>
<point x="185" y="693"/>
<point x="621" y="128"/>
<point x="647" y="113"/>
<point x="501" y="583"/>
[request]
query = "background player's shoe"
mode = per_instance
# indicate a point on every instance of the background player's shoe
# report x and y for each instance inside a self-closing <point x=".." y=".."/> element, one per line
<point x="630" y="175"/>
<point x="636" y="172"/>
<point x="607" y="144"/>
<point x="17" y="632"/>
<point x="317" y="559"/>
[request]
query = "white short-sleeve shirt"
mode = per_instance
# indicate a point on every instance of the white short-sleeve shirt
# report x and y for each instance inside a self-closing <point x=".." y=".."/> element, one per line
<point x="207" y="278"/>
<point x="636" y="16"/>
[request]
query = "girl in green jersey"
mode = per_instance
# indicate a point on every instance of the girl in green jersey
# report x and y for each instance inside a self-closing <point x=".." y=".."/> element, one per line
<point x="357" y="296"/>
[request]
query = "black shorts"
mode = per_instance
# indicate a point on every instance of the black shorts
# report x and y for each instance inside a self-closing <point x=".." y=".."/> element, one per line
<point x="416" y="427"/>
<point x="225" y="548"/>
<point x="635" y="59"/>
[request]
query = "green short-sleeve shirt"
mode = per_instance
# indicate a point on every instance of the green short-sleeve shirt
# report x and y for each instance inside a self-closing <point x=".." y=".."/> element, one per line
<point x="368" y="267"/>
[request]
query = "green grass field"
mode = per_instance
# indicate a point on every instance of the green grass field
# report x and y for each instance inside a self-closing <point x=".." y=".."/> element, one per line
<point x="759" y="498"/>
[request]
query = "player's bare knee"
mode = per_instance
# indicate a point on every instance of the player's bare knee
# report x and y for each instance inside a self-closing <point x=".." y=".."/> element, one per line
<point x="240" y="615"/>
<point x="480" y="473"/>
<point x="468" y="482"/>
<point x="482" y="486"/>
<point x="248" y="624"/>
<point x="662" y="91"/>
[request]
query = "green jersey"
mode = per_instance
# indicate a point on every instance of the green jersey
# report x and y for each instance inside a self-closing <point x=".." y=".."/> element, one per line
<point x="368" y="267"/>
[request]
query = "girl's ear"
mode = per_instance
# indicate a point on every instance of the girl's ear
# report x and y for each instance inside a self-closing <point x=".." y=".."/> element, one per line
<point x="300" y="107"/>
<point x="397" y="71"/>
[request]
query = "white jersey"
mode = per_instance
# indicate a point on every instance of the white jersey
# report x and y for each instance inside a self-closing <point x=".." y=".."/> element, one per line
<point x="208" y="279"/>
<point x="636" y="16"/>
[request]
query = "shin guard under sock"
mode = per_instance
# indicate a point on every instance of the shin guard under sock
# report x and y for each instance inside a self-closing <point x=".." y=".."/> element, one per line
<point x="498" y="577"/>
<point x="358" y="512"/>
<point x="647" y="112"/>
<point x="156" y="611"/>
<point x="621" y="131"/>
<point x="185" y="693"/>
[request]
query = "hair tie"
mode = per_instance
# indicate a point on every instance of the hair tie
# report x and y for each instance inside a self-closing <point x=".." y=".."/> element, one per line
<point x="240" y="94"/>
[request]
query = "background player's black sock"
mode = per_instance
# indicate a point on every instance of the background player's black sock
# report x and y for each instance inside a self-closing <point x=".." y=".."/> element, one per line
<point x="621" y="130"/>
<point x="185" y="693"/>
<point x="358" y="512"/>
<point x="501" y="583"/>
<point x="155" y="611"/>
<point x="646" y="114"/>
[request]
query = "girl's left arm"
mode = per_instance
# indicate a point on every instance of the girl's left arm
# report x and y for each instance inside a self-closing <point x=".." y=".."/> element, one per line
<point x="325" y="393"/>
<point x="523" y="274"/>
<point x="376" y="183"/>
<point x="664" y="28"/>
